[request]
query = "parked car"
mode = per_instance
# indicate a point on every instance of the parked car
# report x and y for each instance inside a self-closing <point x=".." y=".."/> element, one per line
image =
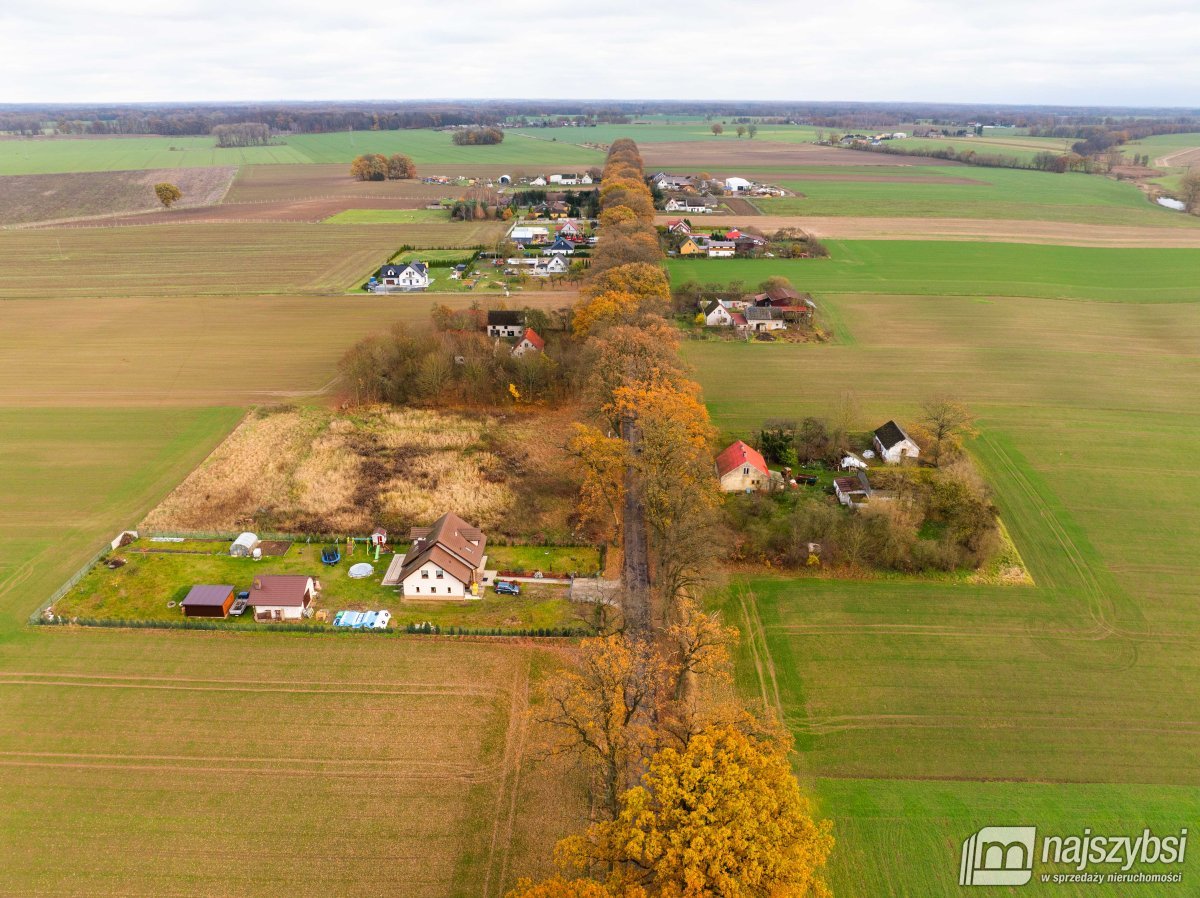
<point x="507" y="588"/>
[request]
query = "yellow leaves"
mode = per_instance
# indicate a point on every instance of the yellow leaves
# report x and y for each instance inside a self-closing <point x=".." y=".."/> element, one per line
<point x="603" y="460"/>
<point x="609" y="308"/>
<point x="644" y="280"/>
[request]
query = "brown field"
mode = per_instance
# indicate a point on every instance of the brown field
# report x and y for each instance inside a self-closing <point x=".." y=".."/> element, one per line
<point x="198" y="259"/>
<point x="25" y="199"/>
<point x="188" y="351"/>
<point x="1184" y="158"/>
<point x="726" y="154"/>
<point x="1045" y="232"/>
<point x="311" y="210"/>
<point x="262" y="183"/>
<point x="312" y="470"/>
<point x="238" y="764"/>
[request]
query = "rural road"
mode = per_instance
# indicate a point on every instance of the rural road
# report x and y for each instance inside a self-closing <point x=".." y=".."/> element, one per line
<point x="1004" y="231"/>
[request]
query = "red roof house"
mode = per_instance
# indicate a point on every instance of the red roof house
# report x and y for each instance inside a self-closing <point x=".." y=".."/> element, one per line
<point x="530" y="342"/>
<point x="741" y="468"/>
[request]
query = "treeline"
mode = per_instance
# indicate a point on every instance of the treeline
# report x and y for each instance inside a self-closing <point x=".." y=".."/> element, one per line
<point x="470" y="137"/>
<point x="246" y="134"/>
<point x="377" y="167"/>
<point x="646" y="707"/>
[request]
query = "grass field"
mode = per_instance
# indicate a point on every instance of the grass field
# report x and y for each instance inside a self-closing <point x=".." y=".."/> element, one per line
<point x="209" y="259"/>
<point x="430" y="148"/>
<point x="388" y="216"/>
<point x="991" y="193"/>
<point x="924" y="711"/>
<point x="1024" y="148"/>
<point x="970" y="269"/>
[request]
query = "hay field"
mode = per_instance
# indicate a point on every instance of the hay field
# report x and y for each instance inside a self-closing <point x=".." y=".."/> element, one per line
<point x="923" y="711"/>
<point x="933" y="268"/>
<point x="217" y="259"/>
<point x="35" y="198"/>
<point x="309" y="470"/>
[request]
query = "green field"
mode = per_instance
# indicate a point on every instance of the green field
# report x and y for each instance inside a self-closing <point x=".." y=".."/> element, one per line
<point x="388" y="216"/>
<point x="1147" y="275"/>
<point x="924" y="711"/>
<point x="1024" y="148"/>
<point x="43" y="155"/>
<point x="992" y="193"/>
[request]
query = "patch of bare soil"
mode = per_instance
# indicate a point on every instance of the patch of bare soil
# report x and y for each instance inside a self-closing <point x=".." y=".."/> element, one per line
<point x="313" y="470"/>
<point x="1044" y="232"/>
<point x="259" y="183"/>
<point x="28" y="199"/>
<point x="1184" y="158"/>
<point x="312" y="210"/>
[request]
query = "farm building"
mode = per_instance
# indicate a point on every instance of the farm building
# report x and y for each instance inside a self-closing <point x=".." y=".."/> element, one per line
<point x="760" y="319"/>
<point x="737" y="185"/>
<point x="720" y="249"/>
<point x="445" y="561"/>
<point x="282" y="596"/>
<point x="505" y="323"/>
<point x="741" y="468"/>
<point x="791" y="304"/>
<point x="894" y="445"/>
<point x="528" y="234"/>
<point x="852" y="491"/>
<point x="208" y="601"/>
<point x="402" y="278"/>
<point x="244" y="545"/>
<point x="531" y="342"/>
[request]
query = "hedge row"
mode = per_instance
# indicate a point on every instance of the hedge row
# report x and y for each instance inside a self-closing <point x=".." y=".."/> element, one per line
<point x="200" y="624"/>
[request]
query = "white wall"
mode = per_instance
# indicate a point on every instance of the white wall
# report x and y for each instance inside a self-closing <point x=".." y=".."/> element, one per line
<point x="416" y="586"/>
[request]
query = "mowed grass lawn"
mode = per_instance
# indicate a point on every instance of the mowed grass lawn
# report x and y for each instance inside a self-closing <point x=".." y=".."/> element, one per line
<point x="43" y="155"/>
<point x="923" y="711"/>
<point x="931" y="268"/>
<point x="994" y="194"/>
<point x="207" y="259"/>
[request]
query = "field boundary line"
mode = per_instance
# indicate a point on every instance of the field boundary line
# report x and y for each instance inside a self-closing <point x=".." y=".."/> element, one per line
<point x="763" y="662"/>
<point x="514" y="753"/>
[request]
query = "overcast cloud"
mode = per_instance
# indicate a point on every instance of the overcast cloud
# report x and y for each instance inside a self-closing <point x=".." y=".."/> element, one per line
<point x="1096" y="52"/>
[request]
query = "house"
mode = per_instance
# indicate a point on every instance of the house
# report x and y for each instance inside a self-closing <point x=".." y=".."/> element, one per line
<point x="282" y="596"/>
<point x="560" y="246"/>
<point x="720" y="249"/>
<point x="570" y="229"/>
<point x="551" y="209"/>
<point x="679" y="226"/>
<point x="571" y="178"/>
<point x="664" y="181"/>
<point x="894" y="445"/>
<point x="530" y="342"/>
<point x="852" y="491"/>
<point x="716" y="315"/>
<point x="740" y="324"/>
<point x="690" y="247"/>
<point x="737" y="185"/>
<point x="503" y="323"/>
<point x="529" y="235"/>
<point x="404" y="277"/>
<point x="244" y="545"/>
<point x="687" y="204"/>
<point x="445" y="562"/>
<point x="553" y="265"/>
<point x="793" y="306"/>
<point x="760" y="319"/>
<point x="742" y="468"/>
<point x="207" y="601"/>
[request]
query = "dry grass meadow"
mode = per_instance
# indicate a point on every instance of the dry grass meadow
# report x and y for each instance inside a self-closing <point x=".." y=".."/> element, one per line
<point x="311" y="470"/>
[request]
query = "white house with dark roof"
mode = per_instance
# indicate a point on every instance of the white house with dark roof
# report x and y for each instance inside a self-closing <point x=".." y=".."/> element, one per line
<point x="894" y="445"/>
<point x="760" y="319"/>
<point x="505" y="323"/>
<point x="716" y="315"/>
<point x="687" y="204"/>
<point x="445" y="562"/>
<point x="404" y="277"/>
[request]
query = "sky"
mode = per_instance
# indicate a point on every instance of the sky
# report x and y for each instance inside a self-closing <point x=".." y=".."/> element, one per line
<point x="1072" y="52"/>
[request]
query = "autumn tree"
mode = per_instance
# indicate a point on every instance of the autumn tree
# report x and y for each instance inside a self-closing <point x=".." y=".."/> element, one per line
<point x="717" y="128"/>
<point x="400" y="167"/>
<point x="627" y="354"/>
<point x="600" y="712"/>
<point x="945" y="420"/>
<point x="1189" y="190"/>
<point x="369" y="167"/>
<point x="642" y="279"/>
<point x="723" y="816"/>
<point x="699" y="645"/>
<point x="557" y="887"/>
<point x="602" y="461"/>
<point x="168" y="194"/>
<point x="741" y="131"/>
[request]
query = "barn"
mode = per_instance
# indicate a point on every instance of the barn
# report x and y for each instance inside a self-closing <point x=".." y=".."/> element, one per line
<point x="208" y="601"/>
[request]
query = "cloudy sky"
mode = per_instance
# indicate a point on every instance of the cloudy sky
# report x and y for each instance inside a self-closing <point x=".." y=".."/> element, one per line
<point x="1131" y="52"/>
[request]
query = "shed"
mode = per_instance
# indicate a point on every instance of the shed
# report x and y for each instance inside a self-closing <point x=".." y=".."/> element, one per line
<point x="208" y="601"/>
<point x="244" y="545"/>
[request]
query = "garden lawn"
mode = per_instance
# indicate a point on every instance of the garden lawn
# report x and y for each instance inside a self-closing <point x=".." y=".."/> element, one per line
<point x="584" y="560"/>
<point x="142" y="588"/>
<point x="1148" y="275"/>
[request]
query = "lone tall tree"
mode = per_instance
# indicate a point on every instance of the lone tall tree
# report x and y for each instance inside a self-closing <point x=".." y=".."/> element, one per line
<point x="946" y="420"/>
<point x="168" y="194"/>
